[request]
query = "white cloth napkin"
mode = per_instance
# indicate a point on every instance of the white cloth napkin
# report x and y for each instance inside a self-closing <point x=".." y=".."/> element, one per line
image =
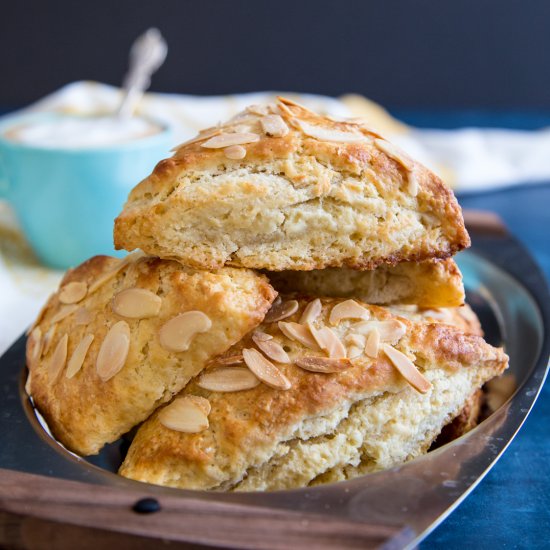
<point x="474" y="159"/>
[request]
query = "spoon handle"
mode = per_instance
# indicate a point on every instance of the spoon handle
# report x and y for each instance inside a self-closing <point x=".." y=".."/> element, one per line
<point x="147" y="54"/>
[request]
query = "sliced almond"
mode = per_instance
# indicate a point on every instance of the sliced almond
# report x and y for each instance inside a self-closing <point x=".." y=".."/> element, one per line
<point x="28" y="384"/>
<point x="113" y="351"/>
<point x="265" y="370"/>
<point x="82" y="316"/>
<point x="202" y="403"/>
<point x="329" y="134"/>
<point x="349" y="309"/>
<point x="119" y="266"/>
<point x="64" y="311"/>
<point x="35" y="342"/>
<point x="73" y="292"/>
<point x="226" y="140"/>
<point x="228" y="379"/>
<point x="263" y="336"/>
<point x="137" y="303"/>
<point x="323" y="364"/>
<point x="79" y="354"/>
<point x="407" y="369"/>
<point x="412" y="183"/>
<point x="354" y="351"/>
<point x="311" y="312"/>
<point x="205" y="134"/>
<point x="274" y="125"/>
<point x="394" y="153"/>
<point x="178" y="333"/>
<point x="373" y="343"/>
<point x="358" y="340"/>
<point x="58" y="359"/>
<point x="391" y="330"/>
<point x="235" y="152"/>
<point x="258" y="109"/>
<point x="228" y="360"/>
<point x="272" y="349"/>
<point x="328" y="341"/>
<point x="281" y="310"/>
<point x="185" y="414"/>
<point x="298" y="333"/>
<point x="48" y="339"/>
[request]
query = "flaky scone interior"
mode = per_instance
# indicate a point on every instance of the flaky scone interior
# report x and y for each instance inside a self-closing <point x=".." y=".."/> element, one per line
<point x="324" y="390"/>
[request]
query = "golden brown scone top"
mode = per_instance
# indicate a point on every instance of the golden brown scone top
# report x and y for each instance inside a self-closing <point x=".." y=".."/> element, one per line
<point x="280" y="187"/>
<point x="240" y="431"/>
<point x="121" y="337"/>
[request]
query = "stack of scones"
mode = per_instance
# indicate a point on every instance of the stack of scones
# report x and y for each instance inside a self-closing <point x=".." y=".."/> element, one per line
<point x="292" y="316"/>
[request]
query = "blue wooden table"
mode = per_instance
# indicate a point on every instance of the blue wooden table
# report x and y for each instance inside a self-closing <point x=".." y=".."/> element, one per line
<point x="511" y="506"/>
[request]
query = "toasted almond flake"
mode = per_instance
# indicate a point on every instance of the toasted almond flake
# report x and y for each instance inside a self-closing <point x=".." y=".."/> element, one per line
<point x="272" y="349"/>
<point x="228" y="379"/>
<point x="205" y="134"/>
<point x="73" y="292"/>
<point x="281" y="310"/>
<point x="394" y="153"/>
<point x="64" y="311"/>
<point x="329" y="134"/>
<point x="373" y="343"/>
<point x="28" y="383"/>
<point x="258" y="109"/>
<point x="407" y="369"/>
<point x="274" y="125"/>
<point x="137" y="303"/>
<point x="298" y="333"/>
<point x="323" y="364"/>
<point x="265" y="370"/>
<point x="391" y="330"/>
<point x="178" y="333"/>
<point x="48" y="339"/>
<point x="58" y="359"/>
<point x="185" y="414"/>
<point x="235" y="152"/>
<point x="349" y="309"/>
<point x="412" y="183"/>
<point x="328" y="341"/>
<point x="311" y="312"/>
<point x="354" y="352"/>
<point x="358" y="340"/>
<point x="113" y="351"/>
<point x="82" y="316"/>
<point x="226" y="140"/>
<point x="202" y="403"/>
<point x="113" y="272"/>
<point x="79" y="354"/>
<point x="35" y="342"/>
<point x="263" y="336"/>
<point x="228" y="360"/>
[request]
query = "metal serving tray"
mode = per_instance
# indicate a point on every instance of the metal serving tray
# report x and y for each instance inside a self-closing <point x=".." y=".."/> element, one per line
<point x="395" y="508"/>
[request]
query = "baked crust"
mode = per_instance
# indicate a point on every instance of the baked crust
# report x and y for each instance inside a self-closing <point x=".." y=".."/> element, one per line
<point x="325" y="424"/>
<point x="428" y="284"/>
<point x="84" y="412"/>
<point x="294" y="202"/>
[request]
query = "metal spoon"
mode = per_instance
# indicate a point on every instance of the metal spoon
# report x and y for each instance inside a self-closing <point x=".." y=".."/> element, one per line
<point x="147" y="54"/>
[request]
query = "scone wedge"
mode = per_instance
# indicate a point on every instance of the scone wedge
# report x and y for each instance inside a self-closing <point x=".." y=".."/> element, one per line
<point x="121" y="337"/>
<point x="313" y="414"/>
<point x="282" y="188"/>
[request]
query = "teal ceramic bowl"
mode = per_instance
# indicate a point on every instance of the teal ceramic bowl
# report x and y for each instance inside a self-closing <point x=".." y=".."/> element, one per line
<point x="66" y="199"/>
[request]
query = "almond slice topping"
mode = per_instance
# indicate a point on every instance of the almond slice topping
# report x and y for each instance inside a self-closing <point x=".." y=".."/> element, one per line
<point x="228" y="379"/>
<point x="137" y="303"/>
<point x="323" y="364"/>
<point x="349" y="309"/>
<point x="390" y="330"/>
<point x="58" y="359"/>
<point x="79" y="354"/>
<point x="329" y="134"/>
<point x="263" y="336"/>
<point x="272" y="349"/>
<point x="35" y="342"/>
<point x="226" y="140"/>
<point x="311" y="312"/>
<point x="274" y="125"/>
<point x="235" y="152"/>
<point x="265" y="370"/>
<point x="82" y="316"/>
<point x="394" y="153"/>
<point x="73" y="292"/>
<point x="119" y="266"/>
<point x="373" y="343"/>
<point x="407" y="369"/>
<point x="48" y="339"/>
<point x="281" y="310"/>
<point x="328" y="341"/>
<point x="205" y="134"/>
<point x="298" y="333"/>
<point x="354" y="352"/>
<point x="412" y="183"/>
<point x="64" y="311"/>
<point x="178" y="333"/>
<point x="187" y="414"/>
<point x="113" y="351"/>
